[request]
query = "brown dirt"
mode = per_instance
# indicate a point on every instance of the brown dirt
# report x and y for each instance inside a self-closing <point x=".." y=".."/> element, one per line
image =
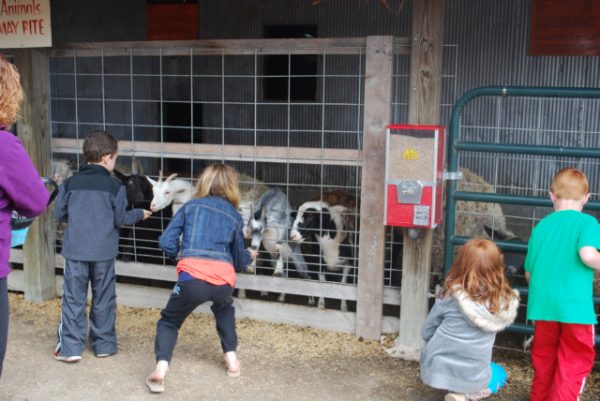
<point x="279" y="362"/>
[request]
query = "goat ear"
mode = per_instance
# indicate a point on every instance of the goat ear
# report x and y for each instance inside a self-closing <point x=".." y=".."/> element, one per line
<point x="171" y="177"/>
<point x="136" y="166"/>
<point x="152" y="182"/>
<point x="119" y="175"/>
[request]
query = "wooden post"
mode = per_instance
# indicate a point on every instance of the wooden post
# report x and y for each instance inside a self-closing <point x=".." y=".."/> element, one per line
<point x="377" y="114"/>
<point x="34" y="131"/>
<point x="424" y="108"/>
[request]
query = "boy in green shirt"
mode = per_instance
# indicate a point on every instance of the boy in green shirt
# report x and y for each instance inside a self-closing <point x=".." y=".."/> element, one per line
<point x="561" y="258"/>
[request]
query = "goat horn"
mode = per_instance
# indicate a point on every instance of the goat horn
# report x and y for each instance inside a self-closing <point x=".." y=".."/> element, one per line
<point x="169" y="178"/>
<point x="159" y="175"/>
<point x="135" y="166"/>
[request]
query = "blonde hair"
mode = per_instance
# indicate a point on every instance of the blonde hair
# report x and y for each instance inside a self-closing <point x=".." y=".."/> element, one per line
<point x="479" y="271"/>
<point x="570" y="183"/>
<point x="219" y="180"/>
<point x="11" y="93"/>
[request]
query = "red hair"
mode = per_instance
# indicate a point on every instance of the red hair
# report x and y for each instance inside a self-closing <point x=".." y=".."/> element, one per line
<point x="570" y="183"/>
<point x="479" y="271"/>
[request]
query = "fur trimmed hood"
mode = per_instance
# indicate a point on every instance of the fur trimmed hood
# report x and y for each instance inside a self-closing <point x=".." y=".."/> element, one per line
<point x="481" y="317"/>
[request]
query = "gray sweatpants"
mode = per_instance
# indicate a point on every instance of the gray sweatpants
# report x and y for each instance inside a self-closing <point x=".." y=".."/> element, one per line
<point x="73" y="323"/>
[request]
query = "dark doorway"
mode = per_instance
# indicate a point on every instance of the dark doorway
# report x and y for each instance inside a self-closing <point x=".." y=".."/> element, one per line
<point x="301" y="69"/>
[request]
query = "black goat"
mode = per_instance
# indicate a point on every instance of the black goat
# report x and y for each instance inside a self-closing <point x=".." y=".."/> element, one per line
<point x="139" y="195"/>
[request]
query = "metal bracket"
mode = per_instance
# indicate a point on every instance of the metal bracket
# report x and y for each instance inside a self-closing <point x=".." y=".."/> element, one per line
<point x="453" y="175"/>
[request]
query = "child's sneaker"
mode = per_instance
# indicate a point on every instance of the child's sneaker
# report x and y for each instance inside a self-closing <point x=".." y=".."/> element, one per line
<point x="107" y="354"/>
<point x="67" y="359"/>
<point x="455" y="397"/>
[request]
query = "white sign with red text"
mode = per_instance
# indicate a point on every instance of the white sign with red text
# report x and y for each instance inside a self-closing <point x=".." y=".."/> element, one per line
<point x="25" y="23"/>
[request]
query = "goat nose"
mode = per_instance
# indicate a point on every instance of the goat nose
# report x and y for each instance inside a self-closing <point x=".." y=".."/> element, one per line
<point x="295" y="235"/>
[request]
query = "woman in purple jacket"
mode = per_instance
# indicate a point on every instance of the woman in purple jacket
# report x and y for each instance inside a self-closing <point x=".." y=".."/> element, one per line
<point x="21" y="188"/>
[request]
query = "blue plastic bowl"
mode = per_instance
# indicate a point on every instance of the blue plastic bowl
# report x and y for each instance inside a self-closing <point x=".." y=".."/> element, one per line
<point x="18" y="237"/>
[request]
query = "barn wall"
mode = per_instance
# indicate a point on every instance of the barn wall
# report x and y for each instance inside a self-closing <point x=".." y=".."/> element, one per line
<point x="486" y="44"/>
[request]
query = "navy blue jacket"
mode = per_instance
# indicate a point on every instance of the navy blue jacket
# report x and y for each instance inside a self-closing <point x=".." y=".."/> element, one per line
<point x="94" y="206"/>
<point x="207" y="228"/>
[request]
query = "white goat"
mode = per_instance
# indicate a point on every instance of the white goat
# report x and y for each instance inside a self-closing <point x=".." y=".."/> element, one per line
<point x="170" y="191"/>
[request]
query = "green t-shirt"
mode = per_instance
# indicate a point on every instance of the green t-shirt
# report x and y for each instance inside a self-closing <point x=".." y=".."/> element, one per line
<point x="560" y="287"/>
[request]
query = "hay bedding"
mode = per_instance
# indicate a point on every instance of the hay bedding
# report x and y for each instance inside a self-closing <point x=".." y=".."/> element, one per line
<point x="278" y="362"/>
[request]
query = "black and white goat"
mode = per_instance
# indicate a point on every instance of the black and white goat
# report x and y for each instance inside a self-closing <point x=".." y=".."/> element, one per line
<point x="331" y="227"/>
<point x="270" y="225"/>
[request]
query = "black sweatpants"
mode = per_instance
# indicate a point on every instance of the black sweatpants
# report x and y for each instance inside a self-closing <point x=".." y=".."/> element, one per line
<point x="186" y="296"/>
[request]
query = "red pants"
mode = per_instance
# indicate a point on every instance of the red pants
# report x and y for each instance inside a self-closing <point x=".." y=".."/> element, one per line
<point x="563" y="356"/>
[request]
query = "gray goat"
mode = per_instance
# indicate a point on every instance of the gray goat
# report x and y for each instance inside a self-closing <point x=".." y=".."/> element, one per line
<point x="270" y="225"/>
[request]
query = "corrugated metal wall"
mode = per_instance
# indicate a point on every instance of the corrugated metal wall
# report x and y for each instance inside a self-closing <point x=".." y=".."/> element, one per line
<point x="486" y="44"/>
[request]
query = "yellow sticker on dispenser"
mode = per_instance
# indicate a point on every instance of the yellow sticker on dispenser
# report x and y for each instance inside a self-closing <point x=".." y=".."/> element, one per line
<point x="410" y="154"/>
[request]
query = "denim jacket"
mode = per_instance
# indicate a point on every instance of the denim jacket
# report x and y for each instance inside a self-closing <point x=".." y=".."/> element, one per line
<point x="207" y="228"/>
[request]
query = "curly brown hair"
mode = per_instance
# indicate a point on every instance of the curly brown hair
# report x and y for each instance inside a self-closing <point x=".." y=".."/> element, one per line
<point x="11" y="93"/>
<point x="479" y="271"/>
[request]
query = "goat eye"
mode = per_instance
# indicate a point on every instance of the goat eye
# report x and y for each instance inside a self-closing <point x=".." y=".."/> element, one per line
<point x="167" y="193"/>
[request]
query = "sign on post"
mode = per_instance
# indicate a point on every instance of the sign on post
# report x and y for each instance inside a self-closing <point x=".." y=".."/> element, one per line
<point x="25" y="23"/>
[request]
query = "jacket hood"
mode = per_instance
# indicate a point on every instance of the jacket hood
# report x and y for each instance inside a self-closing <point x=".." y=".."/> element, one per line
<point x="481" y="317"/>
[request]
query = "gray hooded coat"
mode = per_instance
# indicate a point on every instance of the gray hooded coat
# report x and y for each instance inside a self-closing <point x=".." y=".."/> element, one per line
<point x="459" y="335"/>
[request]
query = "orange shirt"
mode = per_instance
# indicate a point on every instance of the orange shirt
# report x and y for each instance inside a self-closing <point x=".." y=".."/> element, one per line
<point x="212" y="271"/>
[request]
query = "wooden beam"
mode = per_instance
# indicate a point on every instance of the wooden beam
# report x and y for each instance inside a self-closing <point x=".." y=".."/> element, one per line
<point x="206" y="151"/>
<point x="149" y="271"/>
<point x="371" y="253"/>
<point x="317" y="46"/>
<point x="424" y="108"/>
<point x="34" y="132"/>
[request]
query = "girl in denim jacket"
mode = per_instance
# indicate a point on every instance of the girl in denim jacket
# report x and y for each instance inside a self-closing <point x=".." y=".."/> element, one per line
<point x="206" y="236"/>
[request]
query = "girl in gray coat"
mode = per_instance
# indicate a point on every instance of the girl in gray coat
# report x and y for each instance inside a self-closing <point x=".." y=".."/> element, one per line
<point x="475" y="303"/>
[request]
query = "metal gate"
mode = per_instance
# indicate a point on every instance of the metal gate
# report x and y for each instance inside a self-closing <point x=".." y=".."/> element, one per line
<point x="534" y="153"/>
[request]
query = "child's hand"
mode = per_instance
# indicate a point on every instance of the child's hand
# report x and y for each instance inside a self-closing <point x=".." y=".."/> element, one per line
<point x="147" y="213"/>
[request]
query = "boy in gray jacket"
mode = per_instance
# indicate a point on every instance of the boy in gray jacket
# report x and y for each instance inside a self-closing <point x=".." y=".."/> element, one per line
<point x="94" y="205"/>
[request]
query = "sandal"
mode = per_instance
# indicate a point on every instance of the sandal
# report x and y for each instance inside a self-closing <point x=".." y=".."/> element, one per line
<point x="155" y="385"/>
<point x="156" y="380"/>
